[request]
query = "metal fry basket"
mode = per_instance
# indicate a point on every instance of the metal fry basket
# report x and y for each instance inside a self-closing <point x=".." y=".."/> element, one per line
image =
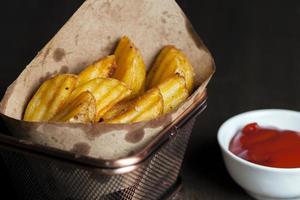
<point x="39" y="172"/>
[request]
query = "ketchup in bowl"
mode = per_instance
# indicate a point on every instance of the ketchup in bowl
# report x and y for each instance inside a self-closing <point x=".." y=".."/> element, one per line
<point x="267" y="146"/>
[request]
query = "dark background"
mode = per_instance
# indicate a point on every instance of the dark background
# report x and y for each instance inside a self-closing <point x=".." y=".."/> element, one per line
<point x="256" y="46"/>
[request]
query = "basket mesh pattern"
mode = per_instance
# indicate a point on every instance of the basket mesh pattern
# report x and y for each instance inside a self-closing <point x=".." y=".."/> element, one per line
<point x="51" y="179"/>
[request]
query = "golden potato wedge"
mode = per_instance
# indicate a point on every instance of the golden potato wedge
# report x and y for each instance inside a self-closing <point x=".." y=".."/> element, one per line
<point x="171" y="61"/>
<point x="103" y="68"/>
<point x="146" y="107"/>
<point x="130" y="66"/>
<point x="107" y="92"/>
<point x="80" y="110"/>
<point x="174" y="92"/>
<point x="117" y="109"/>
<point x="50" y="97"/>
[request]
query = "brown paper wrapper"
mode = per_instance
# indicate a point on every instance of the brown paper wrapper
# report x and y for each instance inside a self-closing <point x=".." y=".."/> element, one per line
<point x="91" y="33"/>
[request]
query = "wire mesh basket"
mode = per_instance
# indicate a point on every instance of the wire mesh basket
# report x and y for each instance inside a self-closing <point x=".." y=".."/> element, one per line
<point x="43" y="175"/>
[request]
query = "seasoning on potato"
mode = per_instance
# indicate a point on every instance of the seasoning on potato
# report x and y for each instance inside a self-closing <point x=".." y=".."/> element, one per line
<point x="103" y="68"/>
<point x="80" y="110"/>
<point x="174" y="92"/>
<point x="50" y="97"/>
<point x="171" y="61"/>
<point x="118" y="109"/>
<point x="146" y="107"/>
<point x="113" y="89"/>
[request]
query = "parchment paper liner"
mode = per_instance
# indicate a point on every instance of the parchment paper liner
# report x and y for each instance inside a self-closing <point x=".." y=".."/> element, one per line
<point x="91" y="33"/>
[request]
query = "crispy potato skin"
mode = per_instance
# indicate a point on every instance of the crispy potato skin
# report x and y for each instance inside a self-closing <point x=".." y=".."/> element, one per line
<point x="174" y="92"/>
<point x="50" y="97"/>
<point x="171" y="61"/>
<point x="117" y="109"/>
<point x="107" y="92"/>
<point x="80" y="110"/>
<point x="130" y="66"/>
<point x="103" y="68"/>
<point x="146" y="107"/>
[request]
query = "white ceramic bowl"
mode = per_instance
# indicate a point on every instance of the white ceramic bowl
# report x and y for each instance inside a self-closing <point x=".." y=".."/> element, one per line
<point x="263" y="183"/>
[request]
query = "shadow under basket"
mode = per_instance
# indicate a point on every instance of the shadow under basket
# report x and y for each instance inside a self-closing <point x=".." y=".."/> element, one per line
<point x="44" y="173"/>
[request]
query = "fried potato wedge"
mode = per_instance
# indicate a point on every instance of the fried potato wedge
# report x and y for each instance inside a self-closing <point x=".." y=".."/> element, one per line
<point x="130" y="66"/>
<point x="107" y="92"/>
<point x="171" y="61"/>
<point x="81" y="110"/>
<point x="117" y="109"/>
<point x="50" y="97"/>
<point x="146" y="107"/>
<point x="103" y="68"/>
<point x="174" y="92"/>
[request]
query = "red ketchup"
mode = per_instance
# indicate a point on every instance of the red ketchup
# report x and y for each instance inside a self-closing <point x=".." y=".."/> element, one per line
<point x="267" y="146"/>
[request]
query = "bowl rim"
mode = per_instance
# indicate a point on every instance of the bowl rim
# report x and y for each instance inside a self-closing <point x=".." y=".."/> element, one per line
<point x="245" y="162"/>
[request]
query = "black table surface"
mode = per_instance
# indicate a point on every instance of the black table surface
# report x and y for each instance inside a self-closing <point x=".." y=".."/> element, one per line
<point x="256" y="46"/>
